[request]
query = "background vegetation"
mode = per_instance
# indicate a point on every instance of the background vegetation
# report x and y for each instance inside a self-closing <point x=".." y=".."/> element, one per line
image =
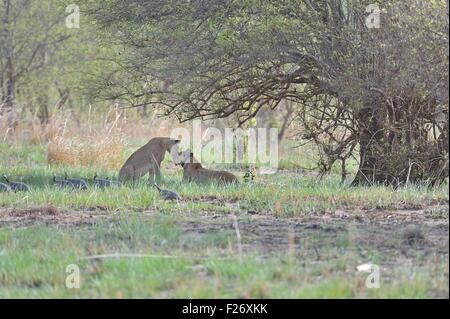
<point x="362" y="118"/>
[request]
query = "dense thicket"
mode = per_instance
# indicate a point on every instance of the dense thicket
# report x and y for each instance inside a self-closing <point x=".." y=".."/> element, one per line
<point x="382" y="91"/>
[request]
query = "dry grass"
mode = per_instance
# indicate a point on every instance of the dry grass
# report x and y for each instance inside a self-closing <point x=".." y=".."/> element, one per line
<point x="43" y="133"/>
<point x="100" y="151"/>
<point x="97" y="137"/>
<point x="27" y="127"/>
<point x="98" y="145"/>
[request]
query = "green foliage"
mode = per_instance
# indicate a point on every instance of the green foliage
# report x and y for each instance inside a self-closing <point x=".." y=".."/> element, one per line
<point x="353" y="85"/>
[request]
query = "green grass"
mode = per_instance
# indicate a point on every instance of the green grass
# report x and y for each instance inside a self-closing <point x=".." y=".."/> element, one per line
<point x="293" y="193"/>
<point x="33" y="263"/>
<point x="288" y="195"/>
<point x="173" y="262"/>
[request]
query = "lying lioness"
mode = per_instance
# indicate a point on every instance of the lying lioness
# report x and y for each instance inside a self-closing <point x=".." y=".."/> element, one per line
<point x="193" y="171"/>
<point x="147" y="159"/>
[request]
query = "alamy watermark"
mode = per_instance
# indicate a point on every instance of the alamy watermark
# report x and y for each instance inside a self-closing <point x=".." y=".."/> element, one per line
<point x="73" y="19"/>
<point x="373" y="19"/>
<point x="73" y="277"/>
<point x="228" y="145"/>
<point x="373" y="279"/>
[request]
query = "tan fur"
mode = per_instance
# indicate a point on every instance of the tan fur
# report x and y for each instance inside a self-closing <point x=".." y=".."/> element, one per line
<point x="147" y="159"/>
<point x="195" y="172"/>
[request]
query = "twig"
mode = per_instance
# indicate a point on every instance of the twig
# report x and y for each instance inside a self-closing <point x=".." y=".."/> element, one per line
<point x="238" y="234"/>
<point x="409" y="171"/>
<point x="6" y="133"/>
<point x="291" y="242"/>
<point x="317" y="252"/>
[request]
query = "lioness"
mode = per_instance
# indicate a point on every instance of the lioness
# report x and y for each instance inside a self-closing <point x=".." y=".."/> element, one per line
<point x="193" y="171"/>
<point x="147" y="159"/>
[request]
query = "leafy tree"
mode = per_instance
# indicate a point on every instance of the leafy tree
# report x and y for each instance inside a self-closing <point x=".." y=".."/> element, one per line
<point x="45" y="65"/>
<point x="30" y="32"/>
<point x="383" y="91"/>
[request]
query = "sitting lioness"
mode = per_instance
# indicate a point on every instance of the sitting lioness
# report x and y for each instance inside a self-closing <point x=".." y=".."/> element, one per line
<point x="147" y="159"/>
<point x="193" y="171"/>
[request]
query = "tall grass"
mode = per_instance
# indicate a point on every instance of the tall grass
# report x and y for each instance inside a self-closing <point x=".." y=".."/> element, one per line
<point x="97" y="137"/>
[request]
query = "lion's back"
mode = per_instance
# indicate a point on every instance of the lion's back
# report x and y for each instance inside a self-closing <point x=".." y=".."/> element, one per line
<point x="206" y="175"/>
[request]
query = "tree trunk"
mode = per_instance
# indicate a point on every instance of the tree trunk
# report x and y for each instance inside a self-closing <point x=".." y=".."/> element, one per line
<point x="286" y="120"/>
<point x="10" y="84"/>
<point x="8" y="104"/>
<point x="10" y="81"/>
<point x="396" y="150"/>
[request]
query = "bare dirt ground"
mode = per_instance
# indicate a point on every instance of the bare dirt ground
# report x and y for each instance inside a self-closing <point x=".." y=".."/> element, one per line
<point x="388" y="231"/>
<point x="393" y="233"/>
<point x="50" y="215"/>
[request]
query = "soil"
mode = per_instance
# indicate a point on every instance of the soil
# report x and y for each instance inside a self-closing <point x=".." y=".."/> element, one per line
<point x="406" y="231"/>
<point x="50" y="215"/>
<point x="423" y="232"/>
